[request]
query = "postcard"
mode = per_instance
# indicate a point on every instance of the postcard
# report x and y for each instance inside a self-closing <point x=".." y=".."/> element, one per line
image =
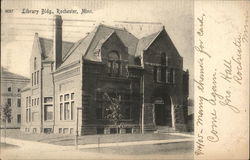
<point x="108" y="79"/>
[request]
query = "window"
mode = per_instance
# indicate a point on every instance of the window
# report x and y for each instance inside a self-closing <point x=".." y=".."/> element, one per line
<point x="114" y="65"/>
<point x="66" y="111"/>
<point x="99" y="113"/>
<point x="172" y="76"/>
<point x="27" y="101"/>
<point x="66" y="106"/>
<point x="158" y="74"/>
<point x="66" y="97"/>
<point x="65" y="130"/>
<point x="48" y="112"/>
<point x="61" y="111"/>
<point x="32" y="79"/>
<point x="168" y="76"/>
<point x="47" y="130"/>
<point x="18" y="102"/>
<point x="9" y="120"/>
<point x="48" y="99"/>
<point x="71" y="131"/>
<point x="61" y="98"/>
<point x="35" y="63"/>
<point x="27" y="115"/>
<point x="37" y="101"/>
<point x="18" y="89"/>
<point x="9" y="89"/>
<point x="19" y="118"/>
<point x="72" y="111"/>
<point x="37" y="77"/>
<point x="60" y="130"/>
<point x="9" y="101"/>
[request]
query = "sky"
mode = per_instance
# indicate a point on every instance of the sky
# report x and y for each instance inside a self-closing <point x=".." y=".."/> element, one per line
<point x="140" y="17"/>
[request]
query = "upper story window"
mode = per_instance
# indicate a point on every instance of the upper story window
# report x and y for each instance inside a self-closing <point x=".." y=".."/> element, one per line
<point x="35" y="63"/>
<point x="9" y="89"/>
<point x="9" y="101"/>
<point x="114" y="64"/>
<point x="163" y="73"/>
<point x="18" y="102"/>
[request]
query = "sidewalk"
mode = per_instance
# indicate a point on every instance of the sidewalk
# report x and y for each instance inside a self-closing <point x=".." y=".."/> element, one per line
<point x="45" y="146"/>
<point x="38" y="150"/>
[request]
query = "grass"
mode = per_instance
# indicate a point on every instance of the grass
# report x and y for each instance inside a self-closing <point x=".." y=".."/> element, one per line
<point x="7" y="146"/>
<point x="68" y="140"/>
<point x="185" y="148"/>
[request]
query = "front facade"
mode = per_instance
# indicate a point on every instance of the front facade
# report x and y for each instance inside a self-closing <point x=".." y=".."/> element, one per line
<point x="69" y="80"/>
<point x="11" y="85"/>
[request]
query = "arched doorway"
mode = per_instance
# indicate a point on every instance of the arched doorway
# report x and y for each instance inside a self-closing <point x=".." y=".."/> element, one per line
<point x="162" y="111"/>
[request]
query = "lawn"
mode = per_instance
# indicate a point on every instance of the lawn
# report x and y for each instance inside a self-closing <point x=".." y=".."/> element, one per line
<point x="180" y="148"/>
<point x="67" y="140"/>
<point x="7" y="146"/>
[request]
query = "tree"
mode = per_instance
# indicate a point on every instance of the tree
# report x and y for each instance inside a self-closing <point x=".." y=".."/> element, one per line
<point x="112" y="107"/>
<point x="5" y="115"/>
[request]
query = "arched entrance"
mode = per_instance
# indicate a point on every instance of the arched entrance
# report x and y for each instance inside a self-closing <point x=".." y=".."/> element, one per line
<point x="162" y="112"/>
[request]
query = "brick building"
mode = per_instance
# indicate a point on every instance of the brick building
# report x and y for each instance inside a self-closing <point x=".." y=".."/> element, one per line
<point x="146" y="73"/>
<point x="11" y="85"/>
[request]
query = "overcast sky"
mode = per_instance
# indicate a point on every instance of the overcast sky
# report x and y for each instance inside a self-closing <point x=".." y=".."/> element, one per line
<point x="18" y="29"/>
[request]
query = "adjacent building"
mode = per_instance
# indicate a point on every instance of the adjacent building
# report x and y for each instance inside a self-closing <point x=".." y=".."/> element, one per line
<point x="11" y="85"/>
<point x="68" y="81"/>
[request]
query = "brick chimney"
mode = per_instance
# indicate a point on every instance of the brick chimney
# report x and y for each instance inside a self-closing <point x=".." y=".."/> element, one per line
<point x="57" y="41"/>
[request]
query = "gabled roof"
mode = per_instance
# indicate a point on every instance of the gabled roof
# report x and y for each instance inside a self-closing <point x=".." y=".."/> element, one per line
<point x="92" y="42"/>
<point x="144" y="42"/>
<point x="87" y="46"/>
<point x="47" y="48"/>
<point x="9" y="75"/>
<point x="128" y="39"/>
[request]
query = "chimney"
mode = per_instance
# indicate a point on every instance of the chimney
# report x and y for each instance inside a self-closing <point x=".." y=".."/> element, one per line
<point x="57" y="42"/>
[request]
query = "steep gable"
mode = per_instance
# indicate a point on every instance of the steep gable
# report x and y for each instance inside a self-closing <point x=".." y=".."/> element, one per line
<point x="47" y="48"/>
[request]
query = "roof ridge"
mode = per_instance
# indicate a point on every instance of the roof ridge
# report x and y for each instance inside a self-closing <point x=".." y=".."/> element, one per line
<point x="12" y="74"/>
<point x="52" y="40"/>
<point x="112" y="27"/>
<point x="151" y="34"/>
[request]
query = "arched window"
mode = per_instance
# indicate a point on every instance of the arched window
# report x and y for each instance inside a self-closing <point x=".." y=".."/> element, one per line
<point x="114" y="64"/>
<point x="35" y="63"/>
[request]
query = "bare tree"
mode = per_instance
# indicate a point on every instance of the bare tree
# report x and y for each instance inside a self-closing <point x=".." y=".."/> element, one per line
<point x="5" y="115"/>
<point x="113" y="110"/>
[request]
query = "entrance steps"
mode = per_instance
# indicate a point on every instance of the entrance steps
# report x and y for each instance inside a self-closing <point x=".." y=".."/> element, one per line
<point x="165" y="129"/>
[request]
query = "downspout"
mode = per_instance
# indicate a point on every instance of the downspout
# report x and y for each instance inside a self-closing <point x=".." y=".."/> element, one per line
<point x="142" y="111"/>
<point x="54" y="102"/>
<point x="41" y="99"/>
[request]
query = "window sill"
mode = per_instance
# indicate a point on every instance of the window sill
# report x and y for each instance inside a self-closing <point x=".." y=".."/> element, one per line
<point x="66" y="120"/>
